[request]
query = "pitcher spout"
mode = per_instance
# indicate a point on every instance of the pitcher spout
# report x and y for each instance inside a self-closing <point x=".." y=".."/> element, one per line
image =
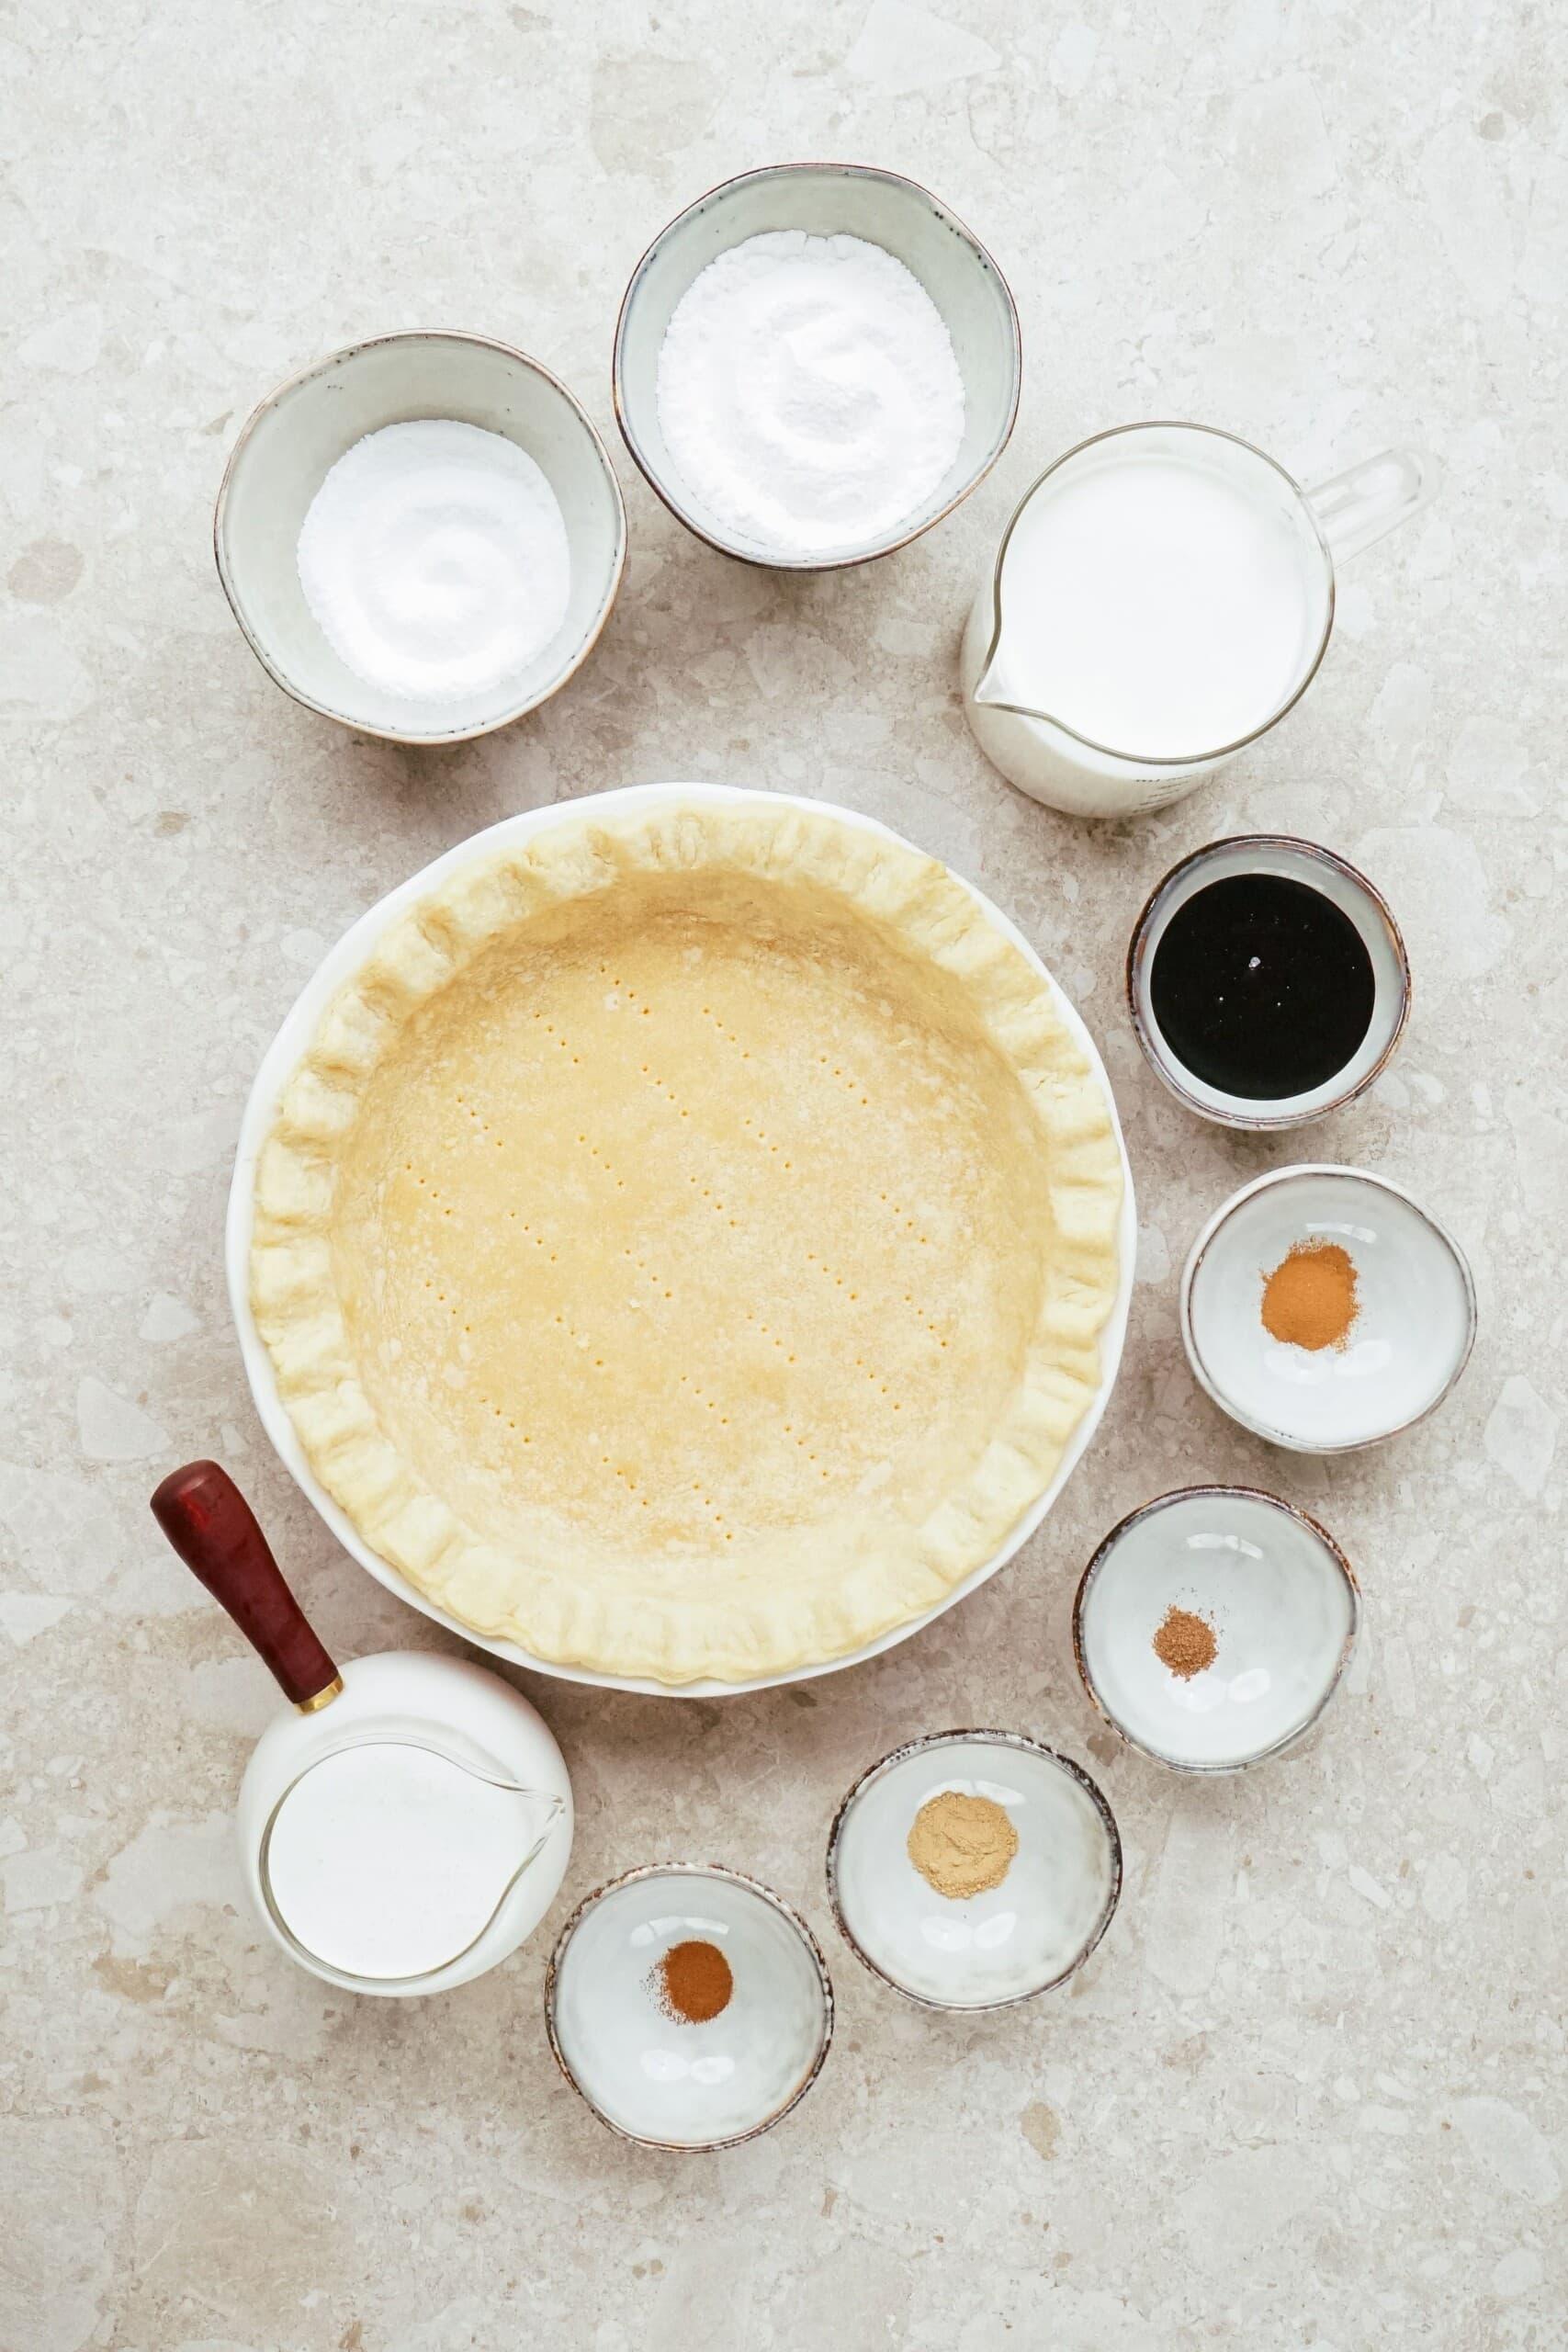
<point x="1000" y="687"/>
<point x="544" y="1813"/>
<point x="993" y="685"/>
<point x="1000" y="684"/>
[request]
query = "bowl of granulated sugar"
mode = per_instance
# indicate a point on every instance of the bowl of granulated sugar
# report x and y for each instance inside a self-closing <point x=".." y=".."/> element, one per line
<point x="421" y="537"/>
<point x="814" y="363"/>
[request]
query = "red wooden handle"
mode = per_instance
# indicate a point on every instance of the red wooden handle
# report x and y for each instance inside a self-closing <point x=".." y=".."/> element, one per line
<point x="214" y="1530"/>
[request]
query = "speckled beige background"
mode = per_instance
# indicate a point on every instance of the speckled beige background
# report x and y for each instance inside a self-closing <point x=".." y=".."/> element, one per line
<point x="1312" y="2091"/>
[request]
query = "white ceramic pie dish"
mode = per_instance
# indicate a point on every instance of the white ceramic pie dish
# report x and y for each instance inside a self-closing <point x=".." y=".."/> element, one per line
<point x="289" y="1047"/>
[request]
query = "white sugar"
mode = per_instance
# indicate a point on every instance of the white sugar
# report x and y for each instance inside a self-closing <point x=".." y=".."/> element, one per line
<point x="808" y="394"/>
<point x="434" y="558"/>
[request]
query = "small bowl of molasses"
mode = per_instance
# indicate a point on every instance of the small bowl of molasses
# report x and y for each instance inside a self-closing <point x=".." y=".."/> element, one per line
<point x="1267" y="982"/>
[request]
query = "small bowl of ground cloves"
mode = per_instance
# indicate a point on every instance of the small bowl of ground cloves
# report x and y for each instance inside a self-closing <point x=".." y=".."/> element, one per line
<point x="1213" y="1626"/>
<point x="1325" y="1310"/>
<point x="973" y="1868"/>
<point x="689" y="2007"/>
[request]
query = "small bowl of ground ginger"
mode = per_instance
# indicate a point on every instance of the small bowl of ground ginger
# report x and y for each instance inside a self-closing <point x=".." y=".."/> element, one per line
<point x="1324" y="1310"/>
<point x="974" y="1868"/>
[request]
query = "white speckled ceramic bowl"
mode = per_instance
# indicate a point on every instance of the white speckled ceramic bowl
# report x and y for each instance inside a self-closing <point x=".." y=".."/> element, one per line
<point x="668" y="2084"/>
<point x="292" y="440"/>
<point x="825" y="200"/>
<point x="1278" y="1594"/>
<point x="1366" y="907"/>
<point x="988" y="1950"/>
<point x="1414" y="1322"/>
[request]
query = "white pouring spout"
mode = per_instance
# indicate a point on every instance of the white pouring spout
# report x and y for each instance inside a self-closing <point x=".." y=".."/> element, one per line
<point x="1003" y="683"/>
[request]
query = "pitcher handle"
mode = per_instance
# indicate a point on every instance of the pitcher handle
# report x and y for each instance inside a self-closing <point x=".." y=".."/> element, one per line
<point x="1371" y="497"/>
<point x="216" y="1534"/>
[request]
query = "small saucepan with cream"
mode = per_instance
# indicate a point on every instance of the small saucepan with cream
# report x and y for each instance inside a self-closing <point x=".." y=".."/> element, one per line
<point x="405" y="1825"/>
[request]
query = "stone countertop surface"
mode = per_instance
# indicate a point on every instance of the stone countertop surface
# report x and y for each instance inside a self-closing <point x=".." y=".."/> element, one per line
<point x="1310" y="2090"/>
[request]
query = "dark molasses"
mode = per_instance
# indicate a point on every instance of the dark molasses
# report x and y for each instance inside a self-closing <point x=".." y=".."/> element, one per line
<point x="1261" y="987"/>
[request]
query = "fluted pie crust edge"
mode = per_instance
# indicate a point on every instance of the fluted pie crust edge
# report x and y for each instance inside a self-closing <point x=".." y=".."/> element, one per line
<point x="725" y="1626"/>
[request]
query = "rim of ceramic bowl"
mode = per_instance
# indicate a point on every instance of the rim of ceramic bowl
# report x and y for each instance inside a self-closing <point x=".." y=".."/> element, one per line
<point x="347" y="353"/>
<point x="1210" y="1234"/>
<point x="277" y="1066"/>
<point x="1111" y="750"/>
<point x="734" y="1878"/>
<point x="667" y="495"/>
<point x="1014" y="1739"/>
<point x="1337" y="1554"/>
<point x="1148" y="1037"/>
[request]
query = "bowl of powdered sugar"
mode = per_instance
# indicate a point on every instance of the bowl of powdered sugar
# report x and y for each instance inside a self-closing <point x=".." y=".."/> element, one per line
<point x="422" y="537"/>
<point x="815" y="363"/>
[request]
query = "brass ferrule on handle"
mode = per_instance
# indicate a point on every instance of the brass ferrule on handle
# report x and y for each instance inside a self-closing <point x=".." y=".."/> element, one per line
<point x="322" y="1697"/>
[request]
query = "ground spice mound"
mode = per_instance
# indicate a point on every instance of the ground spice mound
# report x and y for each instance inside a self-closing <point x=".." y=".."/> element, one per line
<point x="1185" y="1643"/>
<point x="962" y="1845"/>
<point x="1310" y="1299"/>
<point x="693" y="1982"/>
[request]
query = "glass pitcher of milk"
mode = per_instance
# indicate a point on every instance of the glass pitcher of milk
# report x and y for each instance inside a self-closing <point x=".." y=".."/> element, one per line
<point x="1162" y="596"/>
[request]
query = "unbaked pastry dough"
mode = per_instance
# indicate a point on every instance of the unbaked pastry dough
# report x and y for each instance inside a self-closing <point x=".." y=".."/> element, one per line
<point x="684" y="1246"/>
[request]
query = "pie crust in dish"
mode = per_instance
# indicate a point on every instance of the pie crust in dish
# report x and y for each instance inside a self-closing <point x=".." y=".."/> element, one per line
<point x="684" y="1248"/>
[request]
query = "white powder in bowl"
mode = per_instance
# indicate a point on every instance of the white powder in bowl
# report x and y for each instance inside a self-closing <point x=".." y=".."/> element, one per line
<point x="434" y="558"/>
<point x="808" y="394"/>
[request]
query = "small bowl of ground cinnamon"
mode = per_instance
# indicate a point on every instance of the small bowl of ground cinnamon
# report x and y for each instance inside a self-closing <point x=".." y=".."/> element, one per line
<point x="1213" y="1626"/>
<point x="973" y="1868"/>
<point x="1324" y="1310"/>
<point x="689" y="2007"/>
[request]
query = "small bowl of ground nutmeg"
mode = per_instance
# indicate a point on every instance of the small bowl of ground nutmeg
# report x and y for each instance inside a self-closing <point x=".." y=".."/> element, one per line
<point x="689" y="2007"/>
<point x="973" y="1868"/>
<point x="1324" y="1309"/>
<point x="1213" y="1626"/>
